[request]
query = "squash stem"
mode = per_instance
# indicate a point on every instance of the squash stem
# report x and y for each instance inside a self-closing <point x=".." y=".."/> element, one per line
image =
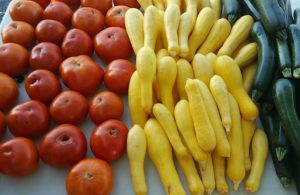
<point x="256" y="95"/>
<point x="231" y="18"/>
<point x="296" y="73"/>
<point x="281" y="34"/>
<point x="285" y="181"/>
<point x="287" y="72"/>
<point x="280" y="153"/>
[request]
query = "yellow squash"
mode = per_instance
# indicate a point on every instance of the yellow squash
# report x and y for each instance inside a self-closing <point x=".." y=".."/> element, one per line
<point x="208" y="177"/>
<point x="185" y="28"/>
<point x="236" y="51"/>
<point x="159" y="4"/>
<point x="246" y="55"/>
<point x="248" y="128"/>
<point x="211" y="58"/>
<point x="203" y="70"/>
<point x="152" y="26"/>
<point x="145" y="3"/>
<point x="159" y="55"/>
<point x="191" y="8"/>
<point x="184" y="72"/>
<point x="176" y="2"/>
<point x="203" y="3"/>
<point x="248" y="74"/>
<point x="216" y="5"/>
<point x="219" y="163"/>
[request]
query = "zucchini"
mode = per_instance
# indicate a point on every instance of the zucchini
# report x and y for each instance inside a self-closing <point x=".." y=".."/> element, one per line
<point x="250" y="9"/>
<point x="284" y="58"/>
<point x="294" y="36"/>
<point x="288" y="10"/>
<point x="266" y="62"/>
<point x="297" y="16"/>
<point x="283" y="169"/>
<point x="232" y="10"/>
<point x="296" y="171"/>
<point x="284" y="98"/>
<point x="271" y="15"/>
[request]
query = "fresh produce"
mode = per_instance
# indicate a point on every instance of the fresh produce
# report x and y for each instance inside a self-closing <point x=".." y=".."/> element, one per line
<point x="232" y="10"/>
<point x="184" y="30"/>
<point x="246" y="55"/>
<point x="216" y="5"/>
<point x="248" y="128"/>
<point x="116" y="16"/>
<point x="129" y="3"/>
<point x="284" y="58"/>
<point x="219" y="170"/>
<point x="171" y="21"/>
<point x="250" y="9"/>
<point x="42" y="3"/>
<point x="2" y="124"/>
<point x="202" y="68"/>
<point x="294" y="33"/>
<point x="145" y="3"/>
<point x="102" y="6"/>
<point x="152" y="26"/>
<point x="74" y="4"/>
<point x="9" y="91"/>
<point x="184" y="72"/>
<point x="297" y="16"/>
<point x="248" y="74"/>
<point x="58" y="11"/>
<point x="283" y="169"/>
<point x="208" y="176"/>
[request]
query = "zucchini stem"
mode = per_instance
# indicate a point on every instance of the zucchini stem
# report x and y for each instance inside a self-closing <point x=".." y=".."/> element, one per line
<point x="285" y="181"/>
<point x="231" y="18"/>
<point x="256" y="95"/>
<point x="296" y="73"/>
<point x="287" y="72"/>
<point x="282" y="34"/>
<point x="280" y="153"/>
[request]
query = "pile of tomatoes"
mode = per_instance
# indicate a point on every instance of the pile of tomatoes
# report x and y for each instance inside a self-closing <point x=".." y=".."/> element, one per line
<point x="52" y="44"/>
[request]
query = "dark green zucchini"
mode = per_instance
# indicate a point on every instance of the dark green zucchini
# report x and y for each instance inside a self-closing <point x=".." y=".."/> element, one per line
<point x="250" y="9"/>
<point x="296" y="172"/>
<point x="297" y="16"/>
<point x="273" y="17"/>
<point x="283" y="169"/>
<point x="294" y="38"/>
<point x="232" y="10"/>
<point x="284" y="58"/>
<point x="288" y="10"/>
<point x="284" y="98"/>
<point x="266" y="62"/>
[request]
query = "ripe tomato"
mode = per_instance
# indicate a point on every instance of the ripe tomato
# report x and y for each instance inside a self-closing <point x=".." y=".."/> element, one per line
<point x="50" y="31"/>
<point x="13" y="59"/>
<point x="103" y="5"/>
<point x="116" y="16"/>
<point x="90" y="176"/>
<point x="112" y="43"/>
<point x="63" y="146"/>
<point x="77" y="42"/>
<point x="69" y="107"/>
<point x="42" y="85"/>
<point x="129" y="3"/>
<point x="42" y="3"/>
<point x="117" y="75"/>
<point x="82" y="74"/>
<point x="28" y="119"/>
<point x="27" y="11"/>
<point x="106" y="105"/>
<point x="108" y="140"/>
<point x="46" y="56"/>
<point x="74" y="4"/>
<point x="9" y="91"/>
<point x="2" y="124"/>
<point x="19" y="32"/>
<point x="18" y="157"/>
<point x="58" y="11"/>
<point x="89" y="20"/>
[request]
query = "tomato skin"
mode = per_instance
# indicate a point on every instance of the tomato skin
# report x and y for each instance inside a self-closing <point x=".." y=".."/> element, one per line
<point x="117" y="75"/>
<point x="63" y="146"/>
<point x="103" y="5"/>
<point x="73" y="4"/>
<point x="45" y="56"/>
<point x="116" y="16"/>
<point x="28" y="119"/>
<point x="69" y="107"/>
<point x="18" y="157"/>
<point x="108" y="140"/>
<point x="2" y="124"/>
<point x="58" y="11"/>
<point x="77" y="42"/>
<point x="42" y="85"/>
<point x="13" y="59"/>
<point x="81" y="74"/>
<point x="129" y="3"/>
<point x="9" y="91"/>
<point x="19" y="32"/>
<point x="91" y="176"/>
<point x="42" y="3"/>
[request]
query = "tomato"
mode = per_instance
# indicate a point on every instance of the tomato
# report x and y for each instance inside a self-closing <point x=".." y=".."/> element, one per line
<point x="117" y="76"/>
<point x="69" y="107"/>
<point x="112" y="43"/>
<point x="89" y="20"/>
<point x="63" y="146"/>
<point x="77" y="42"/>
<point x="18" y="157"/>
<point x="50" y="31"/>
<point x="103" y="5"/>
<point x="108" y="140"/>
<point x="28" y="119"/>
<point x="58" y="11"/>
<point x="46" y="56"/>
<point x="90" y="176"/>
<point x="13" y="59"/>
<point x="42" y="3"/>
<point x="42" y="85"/>
<point x="27" y="11"/>
<point x="116" y="16"/>
<point x="106" y="105"/>
<point x="2" y="124"/>
<point x="129" y="3"/>
<point x="19" y="32"/>
<point x="82" y="74"/>
<point x="9" y="91"/>
<point x="74" y="4"/>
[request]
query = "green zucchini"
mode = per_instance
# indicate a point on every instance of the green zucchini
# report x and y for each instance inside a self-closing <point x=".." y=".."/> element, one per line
<point x="273" y="17"/>
<point x="296" y="171"/>
<point x="284" y="98"/>
<point x="283" y="169"/>
<point x="288" y="10"/>
<point x="294" y="38"/>
<point x="284" y="58"/>
<point x="250" y="9"/>
<point x="232" y="10"/>
<point x="266" y="62"/>
<point x="297" y="16"/>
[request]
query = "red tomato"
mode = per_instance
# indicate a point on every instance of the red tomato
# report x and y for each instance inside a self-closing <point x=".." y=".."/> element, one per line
<point x="69" y="107"/>
<point x="82" y="74"/>
<point x="19" y="32"/>
<point x="28" y="119"/>
<point x="112" y="43"/>
<point x="46" y="56"/>
<point x="74" y="4"/>
<point x="90" y="176"/>
<point x="18" y="157"/>
<point x="108" y="140"/>
<point x="9" y="91"/>
<point x="58" y="11"/>
<point x="27" y="11"/>
<point x="129" y="3"/>
<point x="106" y="105"/>
<point x="50" y="31"/>
<point x="117" y="76"/>
<point x="42" y="85"/>
<point x="77" y="42"/>
<point x="116" y="16"/>
<point x="2" y="124"/>
<point x="13" y="59"/>
<point x="42" y="3"/>
<point x="63" y="146"/>
<point x="103" y="5"/>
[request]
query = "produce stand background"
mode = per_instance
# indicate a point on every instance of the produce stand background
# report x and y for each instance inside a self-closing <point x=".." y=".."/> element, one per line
<point x="50" y="181"/>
